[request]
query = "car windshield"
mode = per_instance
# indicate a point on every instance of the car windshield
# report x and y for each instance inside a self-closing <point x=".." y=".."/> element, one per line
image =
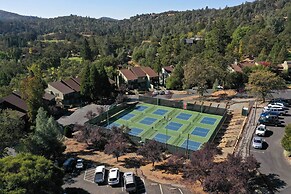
<point x="261" y="129"/>
<point x="257" y="141"/>
<point x="113" y="179"/>
<point x="98" y="175"/>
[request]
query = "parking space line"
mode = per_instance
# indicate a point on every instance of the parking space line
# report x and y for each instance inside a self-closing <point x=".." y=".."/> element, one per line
<point x="89" y="175"/>
<point x="180" y="191"/>
<point x="161" y="189"/>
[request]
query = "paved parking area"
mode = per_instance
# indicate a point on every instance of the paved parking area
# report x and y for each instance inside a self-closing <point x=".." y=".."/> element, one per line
<point x="84" y="183"/>
<point x="273" y="163"/>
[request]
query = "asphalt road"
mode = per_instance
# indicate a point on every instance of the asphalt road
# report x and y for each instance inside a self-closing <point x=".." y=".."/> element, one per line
<point x="273" y="163"/>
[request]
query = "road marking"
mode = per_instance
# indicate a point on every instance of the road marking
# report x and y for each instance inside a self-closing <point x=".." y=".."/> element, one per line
<point x="161" y="189"/>
<point x="154" y="184"/>
<point x="257" y="151"/>
<point x="89" y="175"/>
<point x="180" y="191"/>
<point x="144" y="185"/>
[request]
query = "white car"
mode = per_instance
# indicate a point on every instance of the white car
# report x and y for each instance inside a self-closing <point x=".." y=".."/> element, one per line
<point x="113" y="176"/>
<point x="276" y="105"/>
<point x="99" y="174"/>
<point x="79" y="164"/>
<point x="258" y="143"/>
<point x="261" y="130"/>
<point x="280" y="111"/>
<point x="129" y="182"/>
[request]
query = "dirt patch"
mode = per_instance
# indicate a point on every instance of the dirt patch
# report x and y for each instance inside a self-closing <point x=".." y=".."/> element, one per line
<point x="225" y="93"/>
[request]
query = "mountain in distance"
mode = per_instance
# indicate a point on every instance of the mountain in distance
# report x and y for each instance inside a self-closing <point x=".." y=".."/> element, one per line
<point x="107" y="19"/>
<point x="8" y="16"/>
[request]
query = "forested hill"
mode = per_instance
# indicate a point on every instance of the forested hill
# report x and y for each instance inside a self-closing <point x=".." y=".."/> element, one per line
<point x="261" y="29"/>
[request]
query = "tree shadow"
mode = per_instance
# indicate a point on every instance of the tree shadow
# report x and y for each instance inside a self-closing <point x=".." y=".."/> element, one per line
<point x="74" y="190"/>
<point x="133" y="162"/>
<point x="274" y="182"/>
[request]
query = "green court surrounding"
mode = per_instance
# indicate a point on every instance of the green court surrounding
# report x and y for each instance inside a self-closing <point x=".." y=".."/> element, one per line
<point x="172" y="126"/>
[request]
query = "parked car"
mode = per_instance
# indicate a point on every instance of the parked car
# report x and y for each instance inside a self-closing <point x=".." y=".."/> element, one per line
<point x="281" y="100"/>
<point x="113" y="177"/>
<point x="269" y="121"/>
<point x="80" y="164"/>
<point x="69" y="164"/>
<point x="99" y="174"/>
<point x="129" y="182"/>
<point x="261" y="130"/>
<point x="276" y="105"/>
<point x="267" y="113"/>
<point x="257" y="143"/>
<point x="280" y="111"/>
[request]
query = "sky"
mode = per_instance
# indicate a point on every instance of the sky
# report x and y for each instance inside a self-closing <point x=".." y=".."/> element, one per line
<point x="117" y="9"/>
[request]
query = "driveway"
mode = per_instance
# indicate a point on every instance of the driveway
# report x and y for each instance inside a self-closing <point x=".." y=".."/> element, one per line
<point x="273" y="163"/>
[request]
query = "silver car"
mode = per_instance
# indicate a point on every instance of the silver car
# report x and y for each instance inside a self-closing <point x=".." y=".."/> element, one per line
<point x="258" y="143"/>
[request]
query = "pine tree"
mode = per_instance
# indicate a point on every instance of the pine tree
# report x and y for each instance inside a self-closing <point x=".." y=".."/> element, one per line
<point x="95" y="83"/>
<point x="85" y="82"/>
<point x="86" y="52"/>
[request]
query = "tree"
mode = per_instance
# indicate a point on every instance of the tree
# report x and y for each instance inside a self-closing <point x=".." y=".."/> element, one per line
<point x="32" y="90"/>
<point x="105" y="88"/>
<point x="286" y="141"/>
<point x="86" y="52"/>
<point x="47" y="137"/>
<point x="85" y="81"/>
<point x="11" y="129"/>
<point x="197" y="72"/>
<point x="175" y="163"/>
<point x="175" y="81"/>
<point x="95" y="83"/>
<point x="118" y="143"/>
<point x="27" y="173"/>
<point x="152" y="151"/>
<point x="262" y="82"/>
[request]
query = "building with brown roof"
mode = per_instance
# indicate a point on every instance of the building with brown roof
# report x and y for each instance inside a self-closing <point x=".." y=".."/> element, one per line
<point x="138" y="78"/>
<point x="14" y="102"/>
<point x="66" y="92"/>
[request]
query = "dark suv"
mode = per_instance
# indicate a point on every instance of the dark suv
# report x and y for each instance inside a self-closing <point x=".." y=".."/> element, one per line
<point x="270" y="120"/>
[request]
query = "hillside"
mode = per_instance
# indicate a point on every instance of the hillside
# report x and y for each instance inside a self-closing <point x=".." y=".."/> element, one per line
<point x="8" y="16"/>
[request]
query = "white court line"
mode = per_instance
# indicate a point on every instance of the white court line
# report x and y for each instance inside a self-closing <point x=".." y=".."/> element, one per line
<point x="161" y="189"/>
<point x="180" y="191"/>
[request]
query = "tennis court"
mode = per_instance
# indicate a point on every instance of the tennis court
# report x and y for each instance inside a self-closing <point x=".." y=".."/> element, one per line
<point x="192" y="145"/>
<point x="168" y="125"/>
<point x="174" y="126"/>
<point x="183" y="116"/>
<point x="208" y="121"/>
<point x="161" y="138"/>
<point x="127" y="116"/>
<point x="140" y="108"/>
<point x="148" y="121"/>
<point x="160" y="112"/>
<point x="135" y="131"/>
<point x="202" y="132"/>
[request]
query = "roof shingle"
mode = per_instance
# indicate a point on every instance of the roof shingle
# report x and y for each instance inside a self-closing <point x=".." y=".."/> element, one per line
<point x="128" y="74"/>
<point x="138" y="71"/>
<point x="61" y="87"/>
<point x="169" y="69"/>
<point x="72" y="84"/>
<point x="16" y="101"/>
<point x="150" y="72"/>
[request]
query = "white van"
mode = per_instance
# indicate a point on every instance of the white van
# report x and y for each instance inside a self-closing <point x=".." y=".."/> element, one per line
<point x="281" y="111"/>
<point x="129" y="182"/>
<point x="113" y="177"/>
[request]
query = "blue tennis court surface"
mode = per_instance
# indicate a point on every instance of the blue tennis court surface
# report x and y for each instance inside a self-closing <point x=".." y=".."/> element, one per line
<point x="148" y="121"/>
<point x="174" y="126"/>
<point x="112" y="125"/>
<point x="162" y="138"/>
<point x="192" y="145"/>
<point x="183" y="116"/>
<point x="200" y="131"/>
<point x="127" y="116"/>
<point x="135" y="131"/>
<point x="209" y="121"/>
<point x="160" y="112"/>
<point x="140" y="108"/>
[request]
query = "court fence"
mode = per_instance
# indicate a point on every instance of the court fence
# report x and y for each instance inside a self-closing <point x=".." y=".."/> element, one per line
<point x="216" y="110"/>
<point x="103" y="117"/>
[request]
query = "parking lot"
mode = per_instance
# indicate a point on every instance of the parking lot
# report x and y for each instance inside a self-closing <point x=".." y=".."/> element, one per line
<point x="273" y="163"/>
<point x="84" y="183"/>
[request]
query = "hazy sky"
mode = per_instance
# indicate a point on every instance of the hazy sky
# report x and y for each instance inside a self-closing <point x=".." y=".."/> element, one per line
<point x="118" y="9"/>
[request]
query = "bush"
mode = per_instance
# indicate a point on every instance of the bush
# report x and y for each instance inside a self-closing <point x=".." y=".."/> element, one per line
<point x="68" y="132"/>
<point x="286" y="141"/>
